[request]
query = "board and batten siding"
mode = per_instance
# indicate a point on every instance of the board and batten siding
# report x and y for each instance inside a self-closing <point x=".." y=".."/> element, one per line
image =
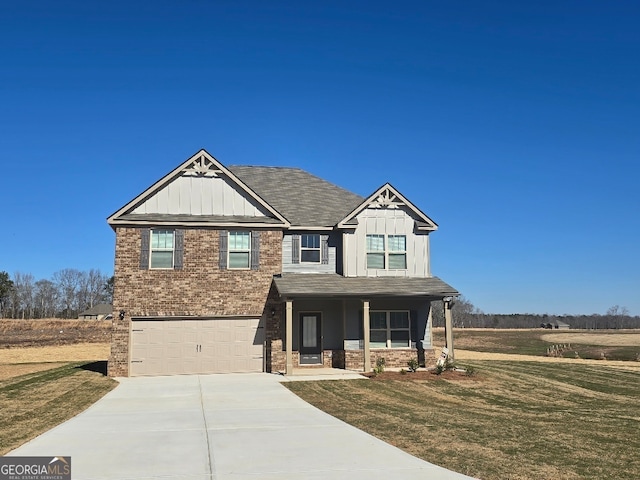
<point x="290" y="267"/>
<point x="191" y="195"/>
<point x="389" y="221"/>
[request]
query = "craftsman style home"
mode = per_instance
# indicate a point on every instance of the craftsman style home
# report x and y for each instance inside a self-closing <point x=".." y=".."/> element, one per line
<point x="250" y="269"/>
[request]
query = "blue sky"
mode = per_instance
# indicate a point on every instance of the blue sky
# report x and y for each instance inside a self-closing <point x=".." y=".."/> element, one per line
<point x="514" y="125"/>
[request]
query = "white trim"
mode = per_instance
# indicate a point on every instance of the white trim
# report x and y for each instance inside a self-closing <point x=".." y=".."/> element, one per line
<point x="389" y="329"/>
<point x="229" y="252"/>
<point x="309" y="249"/>
<point x="386" y="251"/>
<point x="138" y="223"/>
<point x="399" y="199"/>
<point x="172" y="250"/>
<point x="113" y="218"/>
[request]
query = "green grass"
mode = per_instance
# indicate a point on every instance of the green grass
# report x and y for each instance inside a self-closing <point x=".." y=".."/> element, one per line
<point x="33" y="403"/>
<point x="513" y="420"/>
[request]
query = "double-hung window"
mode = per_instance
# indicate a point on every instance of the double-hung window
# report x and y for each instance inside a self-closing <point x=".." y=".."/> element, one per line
<point x="162" y="247"/>
<point x="310" y="248"/>
<point x="397" y="253"/>
<point x="389" y="329"/>
<point x="239" y="249"/>
<point x="387" y="252"/>
<point x="375" y="251"/>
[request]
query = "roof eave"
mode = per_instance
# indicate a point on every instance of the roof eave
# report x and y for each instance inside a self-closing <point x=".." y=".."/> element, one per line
<point x="112" y="219"/>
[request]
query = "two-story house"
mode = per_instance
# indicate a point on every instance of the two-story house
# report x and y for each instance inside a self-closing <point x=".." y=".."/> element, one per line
<point x="250" y="269"/>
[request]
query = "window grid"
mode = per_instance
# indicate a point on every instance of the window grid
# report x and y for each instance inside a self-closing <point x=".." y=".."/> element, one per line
<point x="310" y="248"/>
<point x="389" y="329"/>
<point x="387" y="252"/>
<point x="239" y="250"/>
<point x="161" y="251"/>
<point x="375" y="251"/>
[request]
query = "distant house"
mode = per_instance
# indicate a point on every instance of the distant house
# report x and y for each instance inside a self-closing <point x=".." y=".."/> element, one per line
<point x="249" y="269"/>
<point x="562" y="326"/>
<point x="97" y="312"/>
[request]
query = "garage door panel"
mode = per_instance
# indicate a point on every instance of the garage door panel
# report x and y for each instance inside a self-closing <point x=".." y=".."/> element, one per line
<point x="170" y="347"/>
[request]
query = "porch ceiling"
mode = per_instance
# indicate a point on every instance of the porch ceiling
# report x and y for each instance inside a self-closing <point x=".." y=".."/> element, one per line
<point x="333" y="285"/>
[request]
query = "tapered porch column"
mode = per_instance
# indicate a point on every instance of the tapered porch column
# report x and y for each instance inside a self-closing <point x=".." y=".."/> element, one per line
<point x="448" y="324"/>
<point x="366" y="335"/>
<point x="289" y="337"/>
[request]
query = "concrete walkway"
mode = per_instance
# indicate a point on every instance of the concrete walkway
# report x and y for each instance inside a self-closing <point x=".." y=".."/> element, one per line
<point x="224" y="427"/>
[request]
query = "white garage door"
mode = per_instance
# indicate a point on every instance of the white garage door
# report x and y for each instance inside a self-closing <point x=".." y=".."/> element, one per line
<point x="171" y="347"/>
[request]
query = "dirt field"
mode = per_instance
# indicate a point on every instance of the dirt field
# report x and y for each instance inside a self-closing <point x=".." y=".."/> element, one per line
<point x="44" y="332"/>
<point x="29" y="346"/>
<point x="470" y="355"/>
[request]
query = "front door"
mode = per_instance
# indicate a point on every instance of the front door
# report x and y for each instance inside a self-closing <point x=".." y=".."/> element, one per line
<point x="310" y="339"/>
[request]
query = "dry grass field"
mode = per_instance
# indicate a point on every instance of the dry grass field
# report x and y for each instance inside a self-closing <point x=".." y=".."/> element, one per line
<point x="587" y="344"/>
<point x="50" y="370"/>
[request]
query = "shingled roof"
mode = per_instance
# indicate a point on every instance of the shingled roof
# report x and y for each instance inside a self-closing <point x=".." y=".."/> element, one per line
<point x="305" y="285"/>
<point x="302" y="198"/>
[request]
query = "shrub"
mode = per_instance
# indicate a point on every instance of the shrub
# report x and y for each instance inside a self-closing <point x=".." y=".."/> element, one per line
<point x="403" y="371"/>
<point x="447" y="365"/>
<point x="379" y="368"/>
<point x="413" y="365"/>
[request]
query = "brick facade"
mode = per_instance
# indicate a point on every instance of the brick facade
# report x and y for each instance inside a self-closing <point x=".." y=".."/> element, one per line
<point x="200" y="288"/>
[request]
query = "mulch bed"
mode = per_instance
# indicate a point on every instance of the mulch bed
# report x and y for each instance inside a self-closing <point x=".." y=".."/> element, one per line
<point x="421" y="375"/>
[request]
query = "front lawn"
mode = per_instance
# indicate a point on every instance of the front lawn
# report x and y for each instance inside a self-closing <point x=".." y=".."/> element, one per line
<point x="513" y="420"/>
<point x="32" y="403"/>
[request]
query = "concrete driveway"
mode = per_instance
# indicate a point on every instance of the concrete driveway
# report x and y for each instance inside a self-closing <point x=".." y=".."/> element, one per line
<point x="213" y="427"/>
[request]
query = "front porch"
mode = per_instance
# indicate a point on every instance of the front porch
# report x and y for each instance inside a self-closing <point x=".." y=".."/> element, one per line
<point x="327" y="321"/>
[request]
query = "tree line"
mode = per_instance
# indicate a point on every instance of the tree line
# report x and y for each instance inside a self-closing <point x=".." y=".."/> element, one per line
<point x="66" y="294"/>
<point x="466" y="315"/>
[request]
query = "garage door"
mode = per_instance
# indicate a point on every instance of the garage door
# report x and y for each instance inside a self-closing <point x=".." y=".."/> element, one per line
<point x="172" y="347"/>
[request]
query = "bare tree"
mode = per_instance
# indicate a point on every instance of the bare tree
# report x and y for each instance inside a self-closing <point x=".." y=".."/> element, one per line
<point x="616" y="315"/>
<point x="96" y="283"/>
<point x="464" y="313"/>
<point x="68" y="283"/>
<point x="108" y="289"/>
<point x="46" y="298"/>
<point x="24" y="295"/>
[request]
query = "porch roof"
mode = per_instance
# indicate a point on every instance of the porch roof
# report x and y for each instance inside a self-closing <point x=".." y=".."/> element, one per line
<point x="334" y="285"/>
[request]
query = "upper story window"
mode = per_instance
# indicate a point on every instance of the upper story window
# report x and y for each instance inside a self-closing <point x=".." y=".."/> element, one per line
<point x="239" y="249"/>
<point x="387" y="252"/>
<point x="162" y="247"/>
<point x="397" y="252"/>
<point x="310" y="248"/>
<point x="390" y="329"/>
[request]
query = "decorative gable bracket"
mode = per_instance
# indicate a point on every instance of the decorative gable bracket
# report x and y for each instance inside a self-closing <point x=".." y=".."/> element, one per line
<point x="202" y="166"/>
<point x="388" y="197"/>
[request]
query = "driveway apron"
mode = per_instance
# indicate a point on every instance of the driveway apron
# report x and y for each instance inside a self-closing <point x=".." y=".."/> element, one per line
<point x="210" y="427"/>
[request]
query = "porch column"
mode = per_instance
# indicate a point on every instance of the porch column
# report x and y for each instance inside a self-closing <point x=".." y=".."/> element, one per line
<point x="366" y="335"/>
<point x="448" y="325"/>
<point x="289" y="337"/>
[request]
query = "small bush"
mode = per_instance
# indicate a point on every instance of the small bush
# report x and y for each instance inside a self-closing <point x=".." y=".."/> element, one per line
<point x="469" y="371"/>
<point x="413" y="365"/>
<point x="447" y="365"/>
<point x="379" y="368"/>
<point x="403" y="371"/>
